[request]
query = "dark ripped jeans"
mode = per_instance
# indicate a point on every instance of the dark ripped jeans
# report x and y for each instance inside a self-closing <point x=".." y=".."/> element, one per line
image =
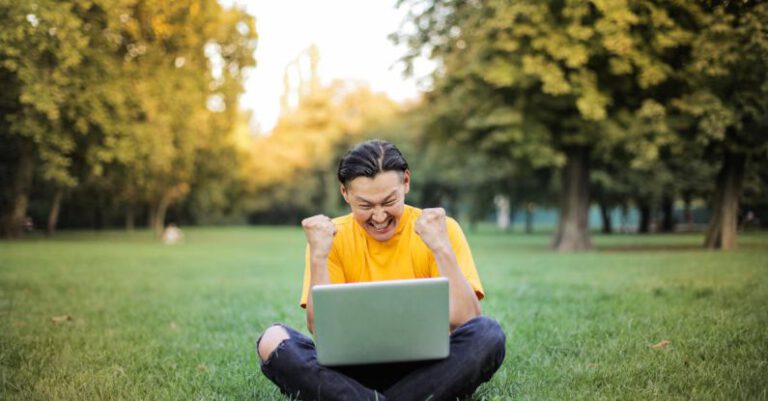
<point x="477" y="350"/>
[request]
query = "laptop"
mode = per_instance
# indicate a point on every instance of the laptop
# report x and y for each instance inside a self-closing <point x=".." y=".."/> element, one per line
<point x="381" y="321"/>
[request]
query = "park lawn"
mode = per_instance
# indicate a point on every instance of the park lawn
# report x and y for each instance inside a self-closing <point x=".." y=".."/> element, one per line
<point x="155" y="322"/>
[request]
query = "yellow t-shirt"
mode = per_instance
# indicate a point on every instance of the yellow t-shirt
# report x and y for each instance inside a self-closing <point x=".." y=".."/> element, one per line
<point x="356" y="257"/>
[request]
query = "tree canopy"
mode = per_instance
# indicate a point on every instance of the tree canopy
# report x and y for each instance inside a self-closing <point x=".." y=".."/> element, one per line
<point x="123" y="96"/>
<point x="561" y="84"/>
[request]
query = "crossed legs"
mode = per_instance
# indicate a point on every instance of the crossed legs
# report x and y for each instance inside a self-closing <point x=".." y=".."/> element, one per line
<point x="270" y="340"/>
<point x="288" y="359"/>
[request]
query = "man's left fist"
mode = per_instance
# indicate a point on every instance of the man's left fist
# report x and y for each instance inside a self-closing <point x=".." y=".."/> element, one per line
<point x="431" y="227"/>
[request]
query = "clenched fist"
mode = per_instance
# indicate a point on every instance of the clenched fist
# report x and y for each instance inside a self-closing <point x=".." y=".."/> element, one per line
<point x="431" y="227"/>
<point x="319" y="231"/>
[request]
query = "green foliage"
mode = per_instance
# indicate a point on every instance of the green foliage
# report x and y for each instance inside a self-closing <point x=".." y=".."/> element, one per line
<point x="535" y="77"/>
<point x="117" y="95"/>
<point x="41" y="46"/>
<point x="728" y="77"/>
<point x="652" y="88"/>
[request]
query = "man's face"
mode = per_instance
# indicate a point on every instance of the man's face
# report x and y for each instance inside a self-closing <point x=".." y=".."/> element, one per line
<point x="377" y="203"/>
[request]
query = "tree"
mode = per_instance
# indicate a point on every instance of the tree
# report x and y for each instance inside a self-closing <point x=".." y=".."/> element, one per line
<point x="551" y="80"/>
<point x="728" y="102"/>
<point x="186" y="84"/>
<point x="117" y="98"/>
<point x="41" y="47"/>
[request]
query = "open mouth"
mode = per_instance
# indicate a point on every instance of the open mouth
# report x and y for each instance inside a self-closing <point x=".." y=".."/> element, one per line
<point x="379" y="228"/>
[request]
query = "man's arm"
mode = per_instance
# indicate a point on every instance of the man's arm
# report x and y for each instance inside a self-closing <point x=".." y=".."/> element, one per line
<point x="319" y="231"/>
<point x="463" y="303"/>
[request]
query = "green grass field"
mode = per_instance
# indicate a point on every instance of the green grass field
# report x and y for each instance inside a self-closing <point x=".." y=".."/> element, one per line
<point x="155" y="322"/>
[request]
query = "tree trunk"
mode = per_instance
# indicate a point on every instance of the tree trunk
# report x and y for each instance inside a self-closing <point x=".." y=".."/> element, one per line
<point x="605" y="213"/>
<point x="13" y="219"/>
<point x="722" y="230"/>
<point x="668" y="214"/>
<point x="169" y="196"/>
<point x="53" y="215"/>
<point x="644" y="207"/>
<point x="159" y="223"/>
<point x="573" y="225"/>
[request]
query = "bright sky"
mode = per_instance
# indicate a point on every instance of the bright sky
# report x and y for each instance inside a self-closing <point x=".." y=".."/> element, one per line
<point x="351" y="37"/>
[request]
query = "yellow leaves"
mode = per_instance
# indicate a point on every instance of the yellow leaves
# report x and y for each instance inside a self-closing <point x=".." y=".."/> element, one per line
<point x="131" y="26"/>
<point x="575" y="56"/>
<point x="617" y="43"/>
<point x="499" y="116"/>
<point x="551" y="75"/>
<point x="620" y="66"/>
<point x="303" y="137"/>
<point x="652" y="74"/>
<point x="671" y="39"/>
<point x="661" y="344"/>
<point x="580" y="32"/>
<point x="560" y="47"/>
<point x="616" y="11"/>
<point x="614" y="25"/>
<point x="500" y="73"/>
<point x="660" y="17"/>
<point x="591" y="105"/>
<point x="160" y="27"/>
<point x="506" y="43"/>
<point x="592" y="102"/>
<point x="652" y="109"/>
<point x="194" y="9"/>
<point x="645" y="132"/>
<point x="530" y="14"/>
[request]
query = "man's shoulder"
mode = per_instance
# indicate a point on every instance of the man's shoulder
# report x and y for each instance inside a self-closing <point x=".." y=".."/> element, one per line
<point x="343" y="223"/>
<point x="412" y="212"/>
<point x="452" y="223"/>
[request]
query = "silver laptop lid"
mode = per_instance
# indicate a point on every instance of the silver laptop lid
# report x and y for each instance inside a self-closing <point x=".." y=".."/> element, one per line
<point x="381" y="321"/>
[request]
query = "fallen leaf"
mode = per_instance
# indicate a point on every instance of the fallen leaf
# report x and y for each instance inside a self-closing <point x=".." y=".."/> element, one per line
<point x="661" y="344"/>
<point x="61" y="319"/>
<point x="201" y="367"/>
<point x="173" y="326"/>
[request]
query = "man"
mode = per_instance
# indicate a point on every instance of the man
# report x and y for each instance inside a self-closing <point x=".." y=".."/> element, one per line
<point x="385" y="239"/>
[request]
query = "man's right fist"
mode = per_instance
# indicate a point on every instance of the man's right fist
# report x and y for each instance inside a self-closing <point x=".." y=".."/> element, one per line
<point x="319" y="231"/>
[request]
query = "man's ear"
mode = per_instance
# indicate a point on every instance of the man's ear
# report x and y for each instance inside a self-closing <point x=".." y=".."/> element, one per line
<point x="407" y="180"/>
<point x="344" y="192"/>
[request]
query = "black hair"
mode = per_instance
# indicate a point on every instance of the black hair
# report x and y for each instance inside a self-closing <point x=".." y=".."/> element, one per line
<point x="369" y="158"/>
